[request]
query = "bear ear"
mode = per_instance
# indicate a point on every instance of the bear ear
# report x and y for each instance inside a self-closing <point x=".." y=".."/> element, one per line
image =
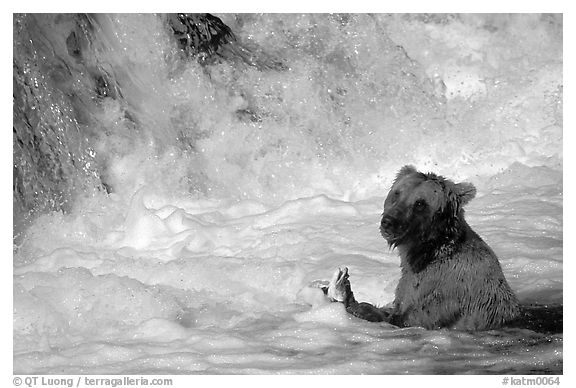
<point x="406" y="170"/>
<point x="465" y="191"/>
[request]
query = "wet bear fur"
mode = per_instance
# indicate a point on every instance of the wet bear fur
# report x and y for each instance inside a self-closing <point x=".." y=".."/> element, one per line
<point x="450" y="278"/>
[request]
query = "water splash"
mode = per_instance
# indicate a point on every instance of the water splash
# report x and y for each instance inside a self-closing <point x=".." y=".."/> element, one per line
<point x="347" y="105"/>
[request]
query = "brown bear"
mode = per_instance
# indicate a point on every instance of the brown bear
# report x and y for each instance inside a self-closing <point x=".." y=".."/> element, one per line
<point x="450" y="276"/>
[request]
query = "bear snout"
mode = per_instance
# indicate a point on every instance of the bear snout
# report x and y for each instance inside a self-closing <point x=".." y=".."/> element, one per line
<point x="389" y="227"/>
<point x="387" y="223"/>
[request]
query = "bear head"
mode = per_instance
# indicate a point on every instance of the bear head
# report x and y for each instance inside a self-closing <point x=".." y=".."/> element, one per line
<point x="424" y="211"/>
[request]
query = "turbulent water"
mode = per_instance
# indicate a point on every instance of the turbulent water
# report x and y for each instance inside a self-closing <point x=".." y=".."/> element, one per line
<point x="171" y="209"/>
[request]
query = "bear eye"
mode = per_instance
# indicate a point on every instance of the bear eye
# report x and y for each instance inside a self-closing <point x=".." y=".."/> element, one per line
<point x="419" y="205"/>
